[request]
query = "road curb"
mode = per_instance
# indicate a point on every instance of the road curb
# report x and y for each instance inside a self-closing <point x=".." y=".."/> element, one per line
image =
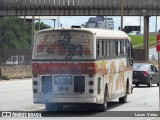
<point x="154" y="118"/>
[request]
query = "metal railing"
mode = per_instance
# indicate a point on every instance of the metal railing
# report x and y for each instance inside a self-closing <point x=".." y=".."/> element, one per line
<point x="11" y="57"/>
<point x="79" y="7"/>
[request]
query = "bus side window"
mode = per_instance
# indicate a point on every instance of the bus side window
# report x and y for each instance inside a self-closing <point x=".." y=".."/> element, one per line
<point x="104" y="49"/>
<point x="108" y="48"/>
<point x="97" y="49"/>
<point x="117" y="48"/>
<point x="103" y="55"/>
<point x="100" y="49"/>
<point x="122" y="48"/>
<point x="113" y="48"/>
<point x="129" y="53"/>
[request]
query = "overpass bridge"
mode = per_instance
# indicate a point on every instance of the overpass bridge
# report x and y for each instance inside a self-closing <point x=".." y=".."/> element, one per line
<point x="121" y="8"/>
<point x="80" y="7"/>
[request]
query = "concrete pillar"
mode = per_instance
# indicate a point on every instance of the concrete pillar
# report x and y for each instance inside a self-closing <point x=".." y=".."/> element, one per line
<point x="122" y="3"/>
<point x="146" y="36"/>
<point x="33" y="28"/>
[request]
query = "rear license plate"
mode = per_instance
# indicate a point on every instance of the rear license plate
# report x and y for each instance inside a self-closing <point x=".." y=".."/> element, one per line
<point x="63" y="80"/>
<point x="63" y="88"/>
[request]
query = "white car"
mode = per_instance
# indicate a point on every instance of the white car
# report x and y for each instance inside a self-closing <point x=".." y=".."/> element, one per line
<point x="134" y="33"/>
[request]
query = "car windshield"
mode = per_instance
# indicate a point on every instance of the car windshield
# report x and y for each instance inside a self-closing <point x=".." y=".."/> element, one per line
<point x="63" y="45"/>
<point x="141" y="67"/>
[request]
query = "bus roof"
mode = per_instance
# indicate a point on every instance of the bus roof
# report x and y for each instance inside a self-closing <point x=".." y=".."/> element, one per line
<point x="100" y="33"/>
<point x="103" y="33"/>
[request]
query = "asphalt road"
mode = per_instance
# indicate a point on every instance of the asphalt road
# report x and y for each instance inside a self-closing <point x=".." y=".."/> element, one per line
<point x="17" y="95"/>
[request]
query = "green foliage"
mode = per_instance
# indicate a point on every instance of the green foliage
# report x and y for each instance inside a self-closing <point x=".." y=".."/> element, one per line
<point x="42" y="26"/>
<point x="136" y="40"/>
<point x="14" y="33"/>
<point x="4" y="77"/>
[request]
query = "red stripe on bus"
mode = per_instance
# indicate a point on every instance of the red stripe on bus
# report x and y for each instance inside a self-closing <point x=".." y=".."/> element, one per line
<point x="64" y="68"/>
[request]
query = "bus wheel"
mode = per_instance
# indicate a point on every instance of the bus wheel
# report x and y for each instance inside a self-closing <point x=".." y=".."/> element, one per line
<point x="123" y="99"/>
<point x="53" y="107"/>
<point x="103" y="107"/>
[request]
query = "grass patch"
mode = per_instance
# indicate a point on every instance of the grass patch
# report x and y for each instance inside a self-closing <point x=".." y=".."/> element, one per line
<point x="136" y="40"/>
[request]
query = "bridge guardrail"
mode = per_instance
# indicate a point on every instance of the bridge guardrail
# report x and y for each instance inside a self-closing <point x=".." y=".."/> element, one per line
<point x="79" y="7"/>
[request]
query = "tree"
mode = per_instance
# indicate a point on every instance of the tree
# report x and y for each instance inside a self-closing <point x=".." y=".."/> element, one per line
<point x="42" y="26"/>
<point x="14" y="33"/>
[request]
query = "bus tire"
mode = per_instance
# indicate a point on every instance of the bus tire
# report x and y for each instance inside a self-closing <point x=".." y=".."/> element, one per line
<point x="124" y="98"/>
<point x="53" y="107"/>
<point x="103" y="107"/>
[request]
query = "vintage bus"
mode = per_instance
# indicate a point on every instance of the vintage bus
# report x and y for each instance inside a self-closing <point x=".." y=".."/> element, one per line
<point x="81" y="65"/>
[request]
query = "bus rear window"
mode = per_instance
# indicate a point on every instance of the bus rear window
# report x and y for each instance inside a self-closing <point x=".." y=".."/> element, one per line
<point x="63" y="45"/>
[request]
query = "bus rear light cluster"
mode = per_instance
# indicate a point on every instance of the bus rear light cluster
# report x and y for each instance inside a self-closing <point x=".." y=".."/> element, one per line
<point x="35" y="83"/>
<point x="90" y="83"/>
<point x="35" y="75"/>
<point x="91" y="75"/>
<point x="35" y="91"/>
<point x="91" y="90"/>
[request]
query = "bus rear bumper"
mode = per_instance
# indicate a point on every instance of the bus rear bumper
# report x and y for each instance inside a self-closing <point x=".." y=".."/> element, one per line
<point x="65" y="100"/>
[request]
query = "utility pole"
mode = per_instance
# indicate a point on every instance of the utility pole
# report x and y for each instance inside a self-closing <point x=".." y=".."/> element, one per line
<point x="39" y="23"/>
<point x="146" y="36"/>
<point x="24" y="20"/>
<point x="105" y="22"/>
<point x="122" y="2"/>
<point x="156" y="26"/>
<point x="140" y="24"/>
<point x="54" y="20"/>
<point x="33" y="29"/>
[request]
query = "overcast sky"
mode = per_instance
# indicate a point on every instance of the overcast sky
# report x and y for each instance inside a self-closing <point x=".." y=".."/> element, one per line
<point x="68" y="21"/>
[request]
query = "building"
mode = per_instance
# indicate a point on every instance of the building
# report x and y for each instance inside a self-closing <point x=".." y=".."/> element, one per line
<point x="100" y="22"/>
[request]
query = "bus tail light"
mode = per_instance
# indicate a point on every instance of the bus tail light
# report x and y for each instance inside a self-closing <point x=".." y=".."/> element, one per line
<point x="91" y="90"/>
<point x="35" y="75"/>
<point x="35" y="91"/>
<point x="91" y="83"/>
<point x="91" y="75"/>
<point x="35" y="83"/>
